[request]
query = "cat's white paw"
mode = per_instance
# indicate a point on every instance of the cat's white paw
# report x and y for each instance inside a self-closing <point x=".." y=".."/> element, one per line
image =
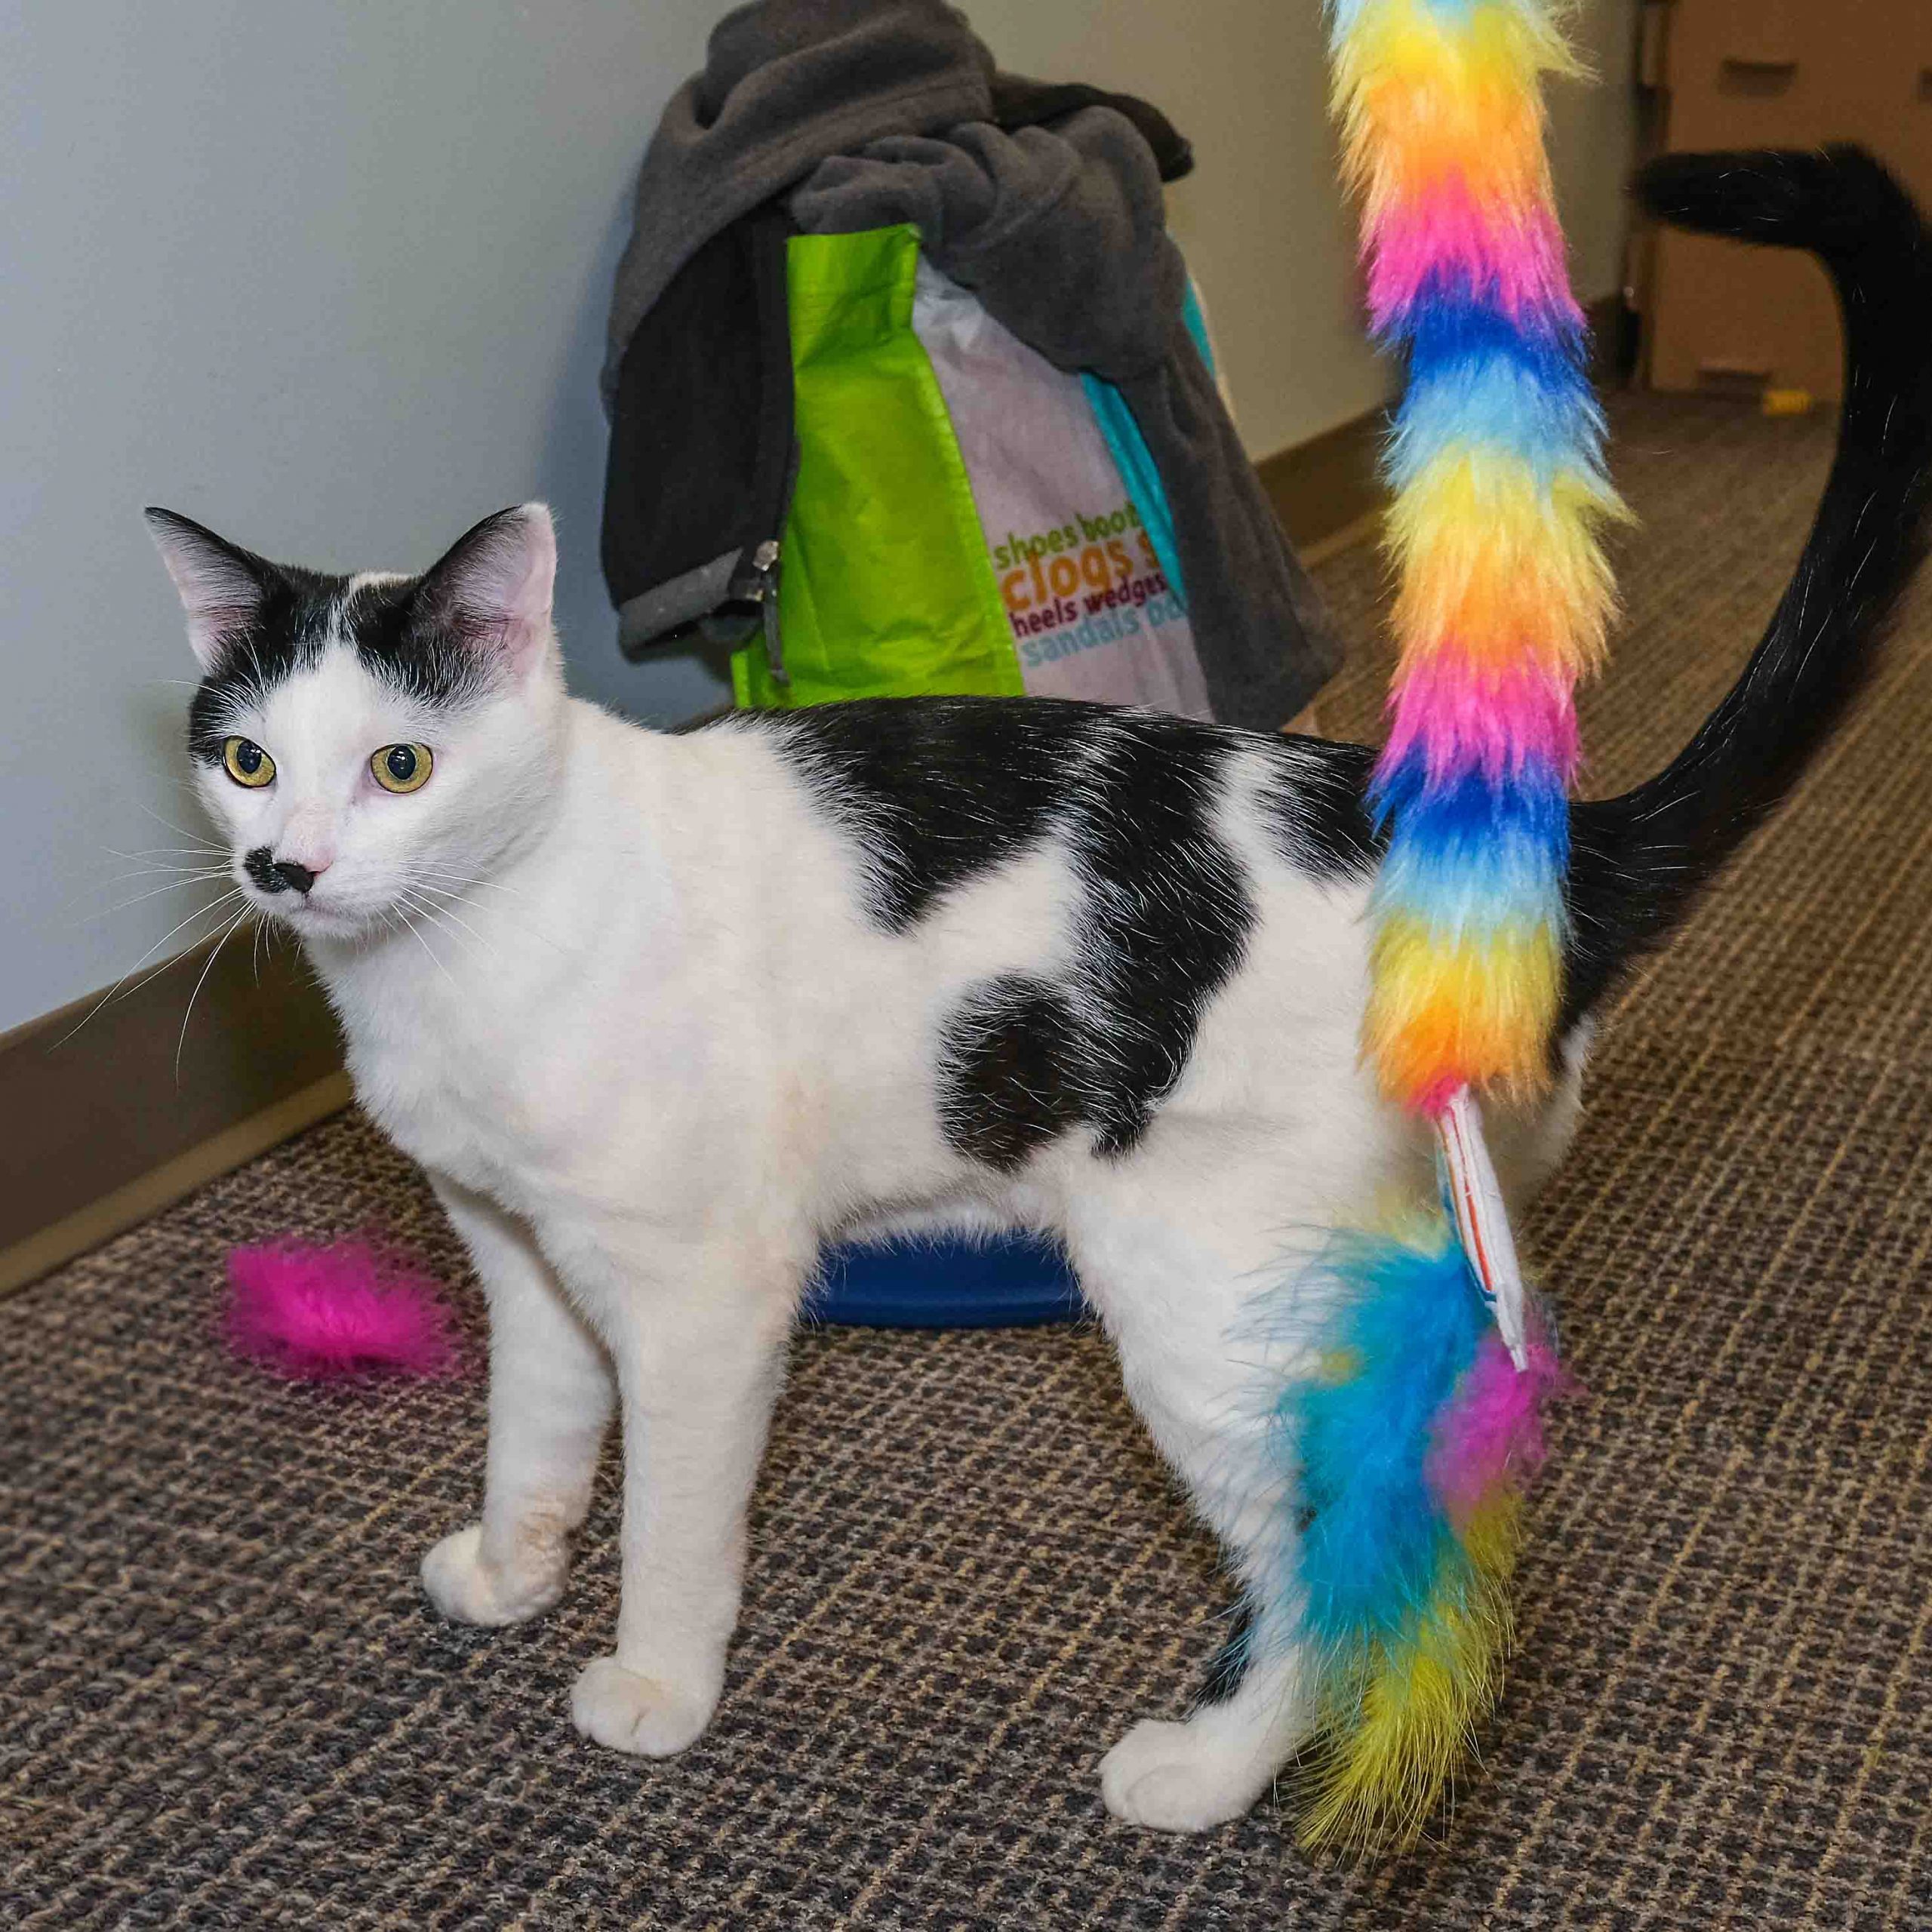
<point x="469" y="1591"/>
<point x="1182" y="1777"/>
<point x="624" y="1712"/>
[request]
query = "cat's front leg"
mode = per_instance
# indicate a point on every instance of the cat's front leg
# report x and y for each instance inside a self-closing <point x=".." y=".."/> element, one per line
<point x="698" y="1338"/>
<point x="550" y="1395"/>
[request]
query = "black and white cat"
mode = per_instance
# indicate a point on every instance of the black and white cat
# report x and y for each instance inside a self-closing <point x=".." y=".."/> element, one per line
<point x="660" y="1015"/>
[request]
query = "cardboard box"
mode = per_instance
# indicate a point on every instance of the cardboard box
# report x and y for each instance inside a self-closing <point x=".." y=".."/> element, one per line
<point x="1727" y="318"/>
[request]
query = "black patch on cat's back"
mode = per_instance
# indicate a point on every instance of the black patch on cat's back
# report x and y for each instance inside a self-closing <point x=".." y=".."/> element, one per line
<point x="1315" y="804"/>
<point x="1166" y="910"/>
<point x="935" y="790"/>
<point x="1011" y="1067"/>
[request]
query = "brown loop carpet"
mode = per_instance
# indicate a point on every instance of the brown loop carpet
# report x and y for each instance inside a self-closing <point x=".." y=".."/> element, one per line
<point x="225" y="1702"/>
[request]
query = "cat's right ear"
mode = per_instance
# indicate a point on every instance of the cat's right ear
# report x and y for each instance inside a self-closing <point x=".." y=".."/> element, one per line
<point x="222" y="586"/>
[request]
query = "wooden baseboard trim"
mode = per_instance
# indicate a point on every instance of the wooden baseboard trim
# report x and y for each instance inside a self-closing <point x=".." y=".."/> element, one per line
<point x="1364" y="530"/>
<point x="110" y="1101"/>
<point x="173" y="1180"/>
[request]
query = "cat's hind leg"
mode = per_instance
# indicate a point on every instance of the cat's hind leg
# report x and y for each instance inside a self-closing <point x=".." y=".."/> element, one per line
<point x="1177" y="1292"/>
<point x="1191" y="1774"/>
<point x="551" y="1396"/>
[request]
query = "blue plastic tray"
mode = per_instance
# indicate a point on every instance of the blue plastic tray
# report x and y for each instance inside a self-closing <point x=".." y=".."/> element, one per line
<point x="1009" y="1281"/>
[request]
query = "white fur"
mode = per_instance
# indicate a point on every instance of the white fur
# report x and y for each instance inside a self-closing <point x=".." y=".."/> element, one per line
<point x="617" y="992"/>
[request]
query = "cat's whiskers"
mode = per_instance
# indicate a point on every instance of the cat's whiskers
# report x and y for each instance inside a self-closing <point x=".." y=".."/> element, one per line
<point x="214" y="905"/>
<point x="409" y="926"/>
<point x="128" y="984"/>
<point x="174" y="885"/>
<point x="182" y="831"/>
<point x="418" y="896"/>
<point x="425" y="874"/>
<point x="227" y="933"/>
<point x="447" y="896"/>
<point x="177" y="874"/>
<point x="204" y="858"/>
<point x="206" y="847"/>
<point x="170" y="869"/>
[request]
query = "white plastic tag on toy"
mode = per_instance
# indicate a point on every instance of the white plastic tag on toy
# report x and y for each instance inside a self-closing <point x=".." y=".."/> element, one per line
<point x="1475" y="1199"/>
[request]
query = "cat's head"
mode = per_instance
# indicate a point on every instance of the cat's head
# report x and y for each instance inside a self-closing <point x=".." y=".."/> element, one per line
<point x="363" y="740"/>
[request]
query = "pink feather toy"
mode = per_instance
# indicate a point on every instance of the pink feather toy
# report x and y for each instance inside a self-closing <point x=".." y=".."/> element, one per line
<point x="1492" y="1435"/>
<point x="316" y="1313"/>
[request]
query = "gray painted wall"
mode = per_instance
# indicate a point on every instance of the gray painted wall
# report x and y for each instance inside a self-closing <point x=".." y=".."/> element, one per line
<point x="327" y="275"/>
<point x="330" y="275"/>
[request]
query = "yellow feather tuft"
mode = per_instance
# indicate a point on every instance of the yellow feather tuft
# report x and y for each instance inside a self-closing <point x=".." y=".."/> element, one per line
<point x="1405" y="1717"/>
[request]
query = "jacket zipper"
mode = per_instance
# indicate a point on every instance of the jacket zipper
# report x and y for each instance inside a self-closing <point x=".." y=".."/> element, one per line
<point x="759" y="585"/>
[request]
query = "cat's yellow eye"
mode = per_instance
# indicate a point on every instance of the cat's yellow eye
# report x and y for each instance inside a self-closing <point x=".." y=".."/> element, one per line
<point x="246" y="763"/>
<point x="401" y="767"/>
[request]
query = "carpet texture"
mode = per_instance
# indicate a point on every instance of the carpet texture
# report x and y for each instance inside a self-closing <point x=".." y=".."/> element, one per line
<point x="225" y="1701"/>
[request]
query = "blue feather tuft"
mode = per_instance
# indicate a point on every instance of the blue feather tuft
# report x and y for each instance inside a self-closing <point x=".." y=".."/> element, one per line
<point x="1377" y="1545"/>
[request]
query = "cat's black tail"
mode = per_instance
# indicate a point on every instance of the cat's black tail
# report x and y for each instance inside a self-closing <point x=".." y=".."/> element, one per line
<point x="1637" y="861"/>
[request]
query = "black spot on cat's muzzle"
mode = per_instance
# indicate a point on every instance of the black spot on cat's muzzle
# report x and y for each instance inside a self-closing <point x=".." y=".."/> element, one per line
<point x="274" y="874"/>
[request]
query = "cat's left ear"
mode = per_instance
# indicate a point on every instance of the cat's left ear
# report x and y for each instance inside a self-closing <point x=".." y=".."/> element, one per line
<point x="493" y="588"/>
<point x="222" y="586"/>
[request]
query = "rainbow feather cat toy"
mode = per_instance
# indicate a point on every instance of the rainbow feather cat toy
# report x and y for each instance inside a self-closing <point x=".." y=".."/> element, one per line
<point x="1410" y="1453"/>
